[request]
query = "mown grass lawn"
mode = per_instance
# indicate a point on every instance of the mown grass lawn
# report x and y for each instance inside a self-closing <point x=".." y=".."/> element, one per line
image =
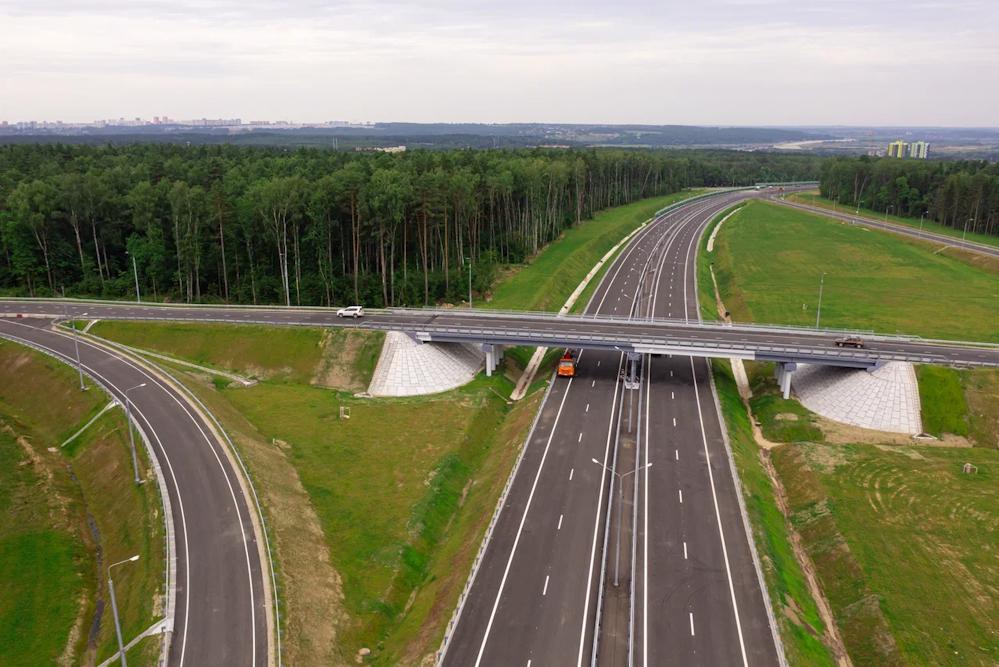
<point x="815" y="199"/>
<point x="905" y="540"/>
<point x="769" y="260"/>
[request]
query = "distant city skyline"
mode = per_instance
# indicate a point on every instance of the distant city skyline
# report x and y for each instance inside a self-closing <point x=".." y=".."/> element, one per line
<point x="719" y="62"/>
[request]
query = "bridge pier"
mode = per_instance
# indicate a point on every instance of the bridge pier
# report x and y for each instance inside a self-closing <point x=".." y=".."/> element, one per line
<point x="784" y="371"/>
<point x="494" y="354"/>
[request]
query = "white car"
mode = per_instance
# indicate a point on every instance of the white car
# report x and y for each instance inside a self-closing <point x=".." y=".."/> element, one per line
<point x="351" y="311"/>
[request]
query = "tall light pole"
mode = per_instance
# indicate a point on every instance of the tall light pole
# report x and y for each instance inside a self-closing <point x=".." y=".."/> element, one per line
<point x="921" y="216"/>
<point x="620" y="509"/>
<point x="818" y="311"/>
<point x="889" y="206"/>
<point x="965" y="234"/>
<point x="135" y="272"/>
<point x="114" y="606"/>
<point x="76" y="344"/>
<point x="131" y="437"/>
<point x="468" y="260"/>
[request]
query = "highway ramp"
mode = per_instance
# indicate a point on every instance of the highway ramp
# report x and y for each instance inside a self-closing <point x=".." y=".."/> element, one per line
<point x="220" y="612"/>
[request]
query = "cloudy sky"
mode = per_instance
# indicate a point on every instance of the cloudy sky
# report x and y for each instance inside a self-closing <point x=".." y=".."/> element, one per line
<point x="760" y="62"/>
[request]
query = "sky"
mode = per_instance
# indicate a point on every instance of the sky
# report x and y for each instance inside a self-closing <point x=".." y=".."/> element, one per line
<point x="710" y="62"/>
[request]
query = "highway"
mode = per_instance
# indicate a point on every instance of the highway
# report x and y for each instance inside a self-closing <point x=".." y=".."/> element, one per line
<point x="220" y="610"/>
<point x="896" y="228"/>
<point x="668" y="331"/>
<point x="684" y="589"/>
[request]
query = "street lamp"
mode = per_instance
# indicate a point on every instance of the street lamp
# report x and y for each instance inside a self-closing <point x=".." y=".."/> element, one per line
<point x="887" y="208"/>
<point x="135" y="271"/>
<point x="620" y="509"/>
<point x="921" y="216"/>
<point x="818" y="311"/>
<point x="114" y="606"/>
<point x="965" y="234"/>
<point x="468" y="260"/>
<point x="131" y="437"/>
<point x="76" y="344"/>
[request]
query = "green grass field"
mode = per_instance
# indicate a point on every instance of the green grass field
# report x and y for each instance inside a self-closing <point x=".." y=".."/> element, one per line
<point x="905" y="547"/>
<point x="814" y="199"/>
<point x="548" y="280"/>
<point x="60" y="509"/>
<point x="769" y="260"/>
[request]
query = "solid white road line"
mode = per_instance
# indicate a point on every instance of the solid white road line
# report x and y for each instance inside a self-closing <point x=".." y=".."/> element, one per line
<point x="523" y="520"/>
<point x="721" y="532"/>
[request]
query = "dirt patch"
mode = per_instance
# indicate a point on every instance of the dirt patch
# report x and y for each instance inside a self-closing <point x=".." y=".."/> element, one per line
<point x="786" y="416"/>
<point x="337" y="369"/>
<point x="838" y="433"/>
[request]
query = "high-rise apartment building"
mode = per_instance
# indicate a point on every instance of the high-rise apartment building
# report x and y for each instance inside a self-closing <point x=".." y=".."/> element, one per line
<point x="919" y="150"/>
<point x="896" y="149"/>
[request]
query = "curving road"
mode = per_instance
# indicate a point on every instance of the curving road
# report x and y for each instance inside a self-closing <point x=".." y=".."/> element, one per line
<point x="220" y="613"/>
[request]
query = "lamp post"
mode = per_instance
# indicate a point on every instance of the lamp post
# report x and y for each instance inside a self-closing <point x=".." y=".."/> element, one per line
<point x="620" y="509"/>
<point x="965" y="234"/>
<point x="887" y="208"/>
<point x="468" y="260"/>
<point x="131" y="437"/>
<point x="76" y="344"/>
<point x="818" y="311"/>
<point x="114" y="607"/>
<point x="921" y="216"/>
<point x="135" y="272"/>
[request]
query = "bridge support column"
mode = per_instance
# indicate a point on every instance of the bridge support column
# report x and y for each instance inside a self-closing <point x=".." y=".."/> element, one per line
<point x="493" y="354"/>
<point x="784" y="371"/>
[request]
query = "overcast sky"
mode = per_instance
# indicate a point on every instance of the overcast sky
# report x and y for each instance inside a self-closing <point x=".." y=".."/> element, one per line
<point x="758" y="62"/>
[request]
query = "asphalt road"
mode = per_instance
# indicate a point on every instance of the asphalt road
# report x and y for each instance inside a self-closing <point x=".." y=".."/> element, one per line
<point x="896" y="228"/>
<point x="553" y="558"/>
<point x="220" y="614"/>
<point x="670" y="331"/>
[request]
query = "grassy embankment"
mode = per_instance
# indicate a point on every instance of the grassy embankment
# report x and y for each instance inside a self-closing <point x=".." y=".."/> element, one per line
<point x="375" y="519"/>
<point x="813" y="199"/>
<point x="899" y="537"/>
<point x="66" y="514"/>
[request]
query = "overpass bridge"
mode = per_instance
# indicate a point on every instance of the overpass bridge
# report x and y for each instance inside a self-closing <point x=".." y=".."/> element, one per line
<point x="788" y="346"/>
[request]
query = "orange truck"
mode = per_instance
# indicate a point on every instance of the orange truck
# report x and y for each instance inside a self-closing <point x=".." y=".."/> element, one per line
<point x="567" y="365"/>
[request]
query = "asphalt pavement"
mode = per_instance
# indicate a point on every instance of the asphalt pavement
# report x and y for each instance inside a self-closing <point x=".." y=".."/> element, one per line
<point x="220" y="617"/>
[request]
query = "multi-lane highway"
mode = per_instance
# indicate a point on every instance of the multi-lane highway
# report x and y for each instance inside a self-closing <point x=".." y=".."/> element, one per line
<point x="668" y="330"/>
<point x="622" y="539"/>
<point x="219" y="613"/>
<point x="584" y="563"/>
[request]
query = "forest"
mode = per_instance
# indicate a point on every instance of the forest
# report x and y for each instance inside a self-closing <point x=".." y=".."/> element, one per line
<point x="958" y="194"/>
<point x="316" y="226"/>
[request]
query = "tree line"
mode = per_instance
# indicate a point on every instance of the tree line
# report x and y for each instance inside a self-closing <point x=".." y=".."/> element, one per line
<point x="959" y="194"/>
<point x="315" y="226"/>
